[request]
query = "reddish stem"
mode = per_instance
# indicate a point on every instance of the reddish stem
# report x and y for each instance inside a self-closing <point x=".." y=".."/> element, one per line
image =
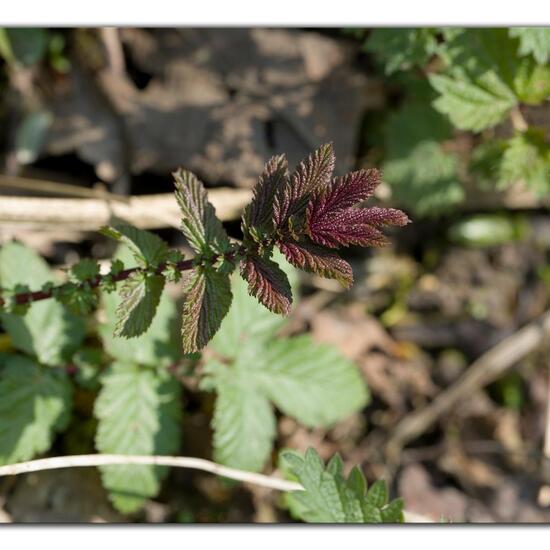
<point x="28" y="297"/>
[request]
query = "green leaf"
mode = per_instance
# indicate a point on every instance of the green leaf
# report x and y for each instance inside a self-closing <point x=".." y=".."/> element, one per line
<point x="147" y="248"/>
<point x="31" y="135"/>
<point x="35" y="403"/>
<point x="402" y="49"/>
<point x="473" y="105"/>
<point x="207" y="300"/>
<point x="247" y="320"/>
<point x="200" y="225"/>
<point x="47" y="331"/>
<point x="422" y="175"/>
<point x="244" y="423"/>
<point x="157" y="346"/>
<point x="139" y="413"/>
<point x="140" y="296"/>
<point x="86" y="269"/>
<point x="311" y="382"/>
<point x="330" y="498"/>
<point x="526" y="158"/>
<point x="26" y="46"/>
<point x="533" y="40"/>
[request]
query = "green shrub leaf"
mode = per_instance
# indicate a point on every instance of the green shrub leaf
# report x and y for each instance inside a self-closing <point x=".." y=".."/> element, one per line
<point x="140" y="296"/>
<point x="206" y="302"/>
<point x="331" y="498"/>
<point x="35" y="403"/>
<point x="48" y="330"/>
<point x="139" y="413"/>
<point x="533" y="40"/>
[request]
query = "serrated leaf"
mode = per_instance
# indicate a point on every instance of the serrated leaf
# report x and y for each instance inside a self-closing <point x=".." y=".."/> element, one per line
<point x="471" y="105"/>
<point x="526" y="157"/>
<point x="312" y="173"/>
<point x="147" y="248"/>
<point x="139" y="413"/>
<point x="315" y="259"/>
<point x="311" y="382"/>
<point x="157" y="346"/>
<point x="35" y="403"/>
<point x="329" y="498"/>
<point x="48" y="330"/>
<point x="140" y="296"/>
<point x="258" y="214"/>
<point x="203" y="229"/>
<point x="268" y="283"/>
<point x="207" y="299"/>
<point x="378" y="494"/>
<point x="402" y="49"/>
<point x="244" y="424"/>
<point x="425" y="180"/>
<point x="533" y="40"/>
<point x="247" y="320"/>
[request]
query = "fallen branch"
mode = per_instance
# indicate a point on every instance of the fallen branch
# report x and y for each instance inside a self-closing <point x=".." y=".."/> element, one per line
<point x="489" y="367"/>
<point x="144" y="211"/>
<point x="57" y="462"/>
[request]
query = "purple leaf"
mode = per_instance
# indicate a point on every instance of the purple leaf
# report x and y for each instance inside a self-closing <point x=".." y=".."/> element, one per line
<point x="268" y="283"/>
<point x="258" y="214"/>
<point x="315" y="259"/>
<point x="312" y="173"/>
<point x="333" y="221"/>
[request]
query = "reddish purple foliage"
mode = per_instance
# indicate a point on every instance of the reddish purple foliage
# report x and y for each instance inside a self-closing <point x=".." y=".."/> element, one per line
<point x="268" y="283"/>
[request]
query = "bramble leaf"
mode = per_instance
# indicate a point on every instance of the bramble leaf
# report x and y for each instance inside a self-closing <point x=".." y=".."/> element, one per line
<point x="533" y="40"/>
<point x="140" y="296"/>
<point x="315" y="259"/>
<point x="157" y="346"/>
<point x="207" y="299"/>
<point x="147" y="248"/>
<point x="200" y="225"/>
<point x="328" y="497"/>
<point x="312" y="173"/>
<point x="333" y="222"/>
<point x="35" y="403"/>
<point x="47" y="331"/>
<point x="139" y="413"/>
<point x="257" y="216"/>
<point x="526" y="157"/>
<point x="473" y="105"/>
<point x="249" y="321"/>
<point x="311" y="382"/>
<point x="402" y="49"/>
<point x="267" y="282"/>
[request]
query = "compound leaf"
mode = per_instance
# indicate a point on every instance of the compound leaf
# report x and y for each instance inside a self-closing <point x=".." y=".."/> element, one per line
<point x="35" y="403"/>
<point x="139" y="413"/>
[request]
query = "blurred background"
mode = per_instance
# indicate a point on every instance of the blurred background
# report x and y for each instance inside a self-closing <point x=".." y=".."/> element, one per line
<point x="95" y="120"/>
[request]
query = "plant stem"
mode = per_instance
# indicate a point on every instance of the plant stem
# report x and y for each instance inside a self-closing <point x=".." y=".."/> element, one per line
<point x="29" y="297"/>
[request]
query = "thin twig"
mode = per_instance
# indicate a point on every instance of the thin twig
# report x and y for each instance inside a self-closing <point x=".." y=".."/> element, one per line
<point x="193" y="463"/>
<point x="487" y="368"/>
